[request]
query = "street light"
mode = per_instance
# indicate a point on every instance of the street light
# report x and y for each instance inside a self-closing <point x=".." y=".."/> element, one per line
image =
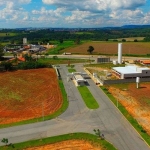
<point x="117" y="102"/>
<point x="43" y="110"/>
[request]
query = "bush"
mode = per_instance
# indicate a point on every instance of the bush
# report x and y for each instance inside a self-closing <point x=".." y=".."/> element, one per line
<point x="32" y="65"/>
<point x="7" y="65"/>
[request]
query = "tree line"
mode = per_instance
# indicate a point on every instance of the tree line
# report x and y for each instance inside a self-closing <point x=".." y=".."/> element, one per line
<point x="45" y="36"/>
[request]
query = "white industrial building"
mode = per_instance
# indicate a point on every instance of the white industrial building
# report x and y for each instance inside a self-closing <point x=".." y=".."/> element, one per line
<point x="78" y="77"/>
<point x="129" y="72"/>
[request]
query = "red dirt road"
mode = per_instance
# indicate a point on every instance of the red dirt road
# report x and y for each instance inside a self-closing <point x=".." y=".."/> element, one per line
<point x="25" y="94"/>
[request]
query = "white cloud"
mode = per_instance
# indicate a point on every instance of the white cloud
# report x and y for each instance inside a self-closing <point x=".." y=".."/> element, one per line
<point x="97" y="5"/>
<point x="16" y="2"/>
<point x="77" y="13"/>
<point x="12" y="9"/>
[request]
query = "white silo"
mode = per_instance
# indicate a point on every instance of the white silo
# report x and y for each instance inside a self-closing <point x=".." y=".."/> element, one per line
<point x="119" y="53"/>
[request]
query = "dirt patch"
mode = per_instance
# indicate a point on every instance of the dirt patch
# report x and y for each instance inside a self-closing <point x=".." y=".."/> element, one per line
<point x="28" y="94"/>
<point x="69" y="145"/>
<point x="136" y="101"/>
<point x="112" y="48"/>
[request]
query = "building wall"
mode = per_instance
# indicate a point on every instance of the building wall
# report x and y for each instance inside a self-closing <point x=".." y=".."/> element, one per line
<point x="103" y="60"/>
<point x="107" y="82"/>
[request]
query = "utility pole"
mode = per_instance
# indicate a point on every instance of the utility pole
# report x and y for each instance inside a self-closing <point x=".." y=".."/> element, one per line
<point x="43" y="110"/>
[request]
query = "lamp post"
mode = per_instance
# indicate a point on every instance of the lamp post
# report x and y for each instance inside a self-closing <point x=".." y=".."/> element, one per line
<point x="43" y="110"/>
<point x="117" y="102"/>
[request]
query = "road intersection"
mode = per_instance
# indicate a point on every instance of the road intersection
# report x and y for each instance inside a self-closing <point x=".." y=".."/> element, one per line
<point x="78" y="118"/>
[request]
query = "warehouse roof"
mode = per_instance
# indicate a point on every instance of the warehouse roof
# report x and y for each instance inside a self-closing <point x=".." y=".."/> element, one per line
<point x="130" y="69"/>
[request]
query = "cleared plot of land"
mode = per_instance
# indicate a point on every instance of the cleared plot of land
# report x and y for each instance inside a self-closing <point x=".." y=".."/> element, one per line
<point x="136" y="101"/>
<point x="28" y="94"/>
<point x="112" y="48"/>
<point x="69" y="145"/>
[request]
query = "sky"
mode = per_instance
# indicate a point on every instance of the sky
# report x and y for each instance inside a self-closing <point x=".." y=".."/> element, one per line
<point x="73" y="13"/>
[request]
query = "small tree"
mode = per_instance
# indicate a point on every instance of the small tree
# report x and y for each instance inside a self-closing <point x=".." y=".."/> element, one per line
<point x="1" y="51"/>
<point x="97" y="132"/>
<point x="5" y="141"/>
<point x="91" y="49"/>
<point x="123" y="40"/>
<point x="77" y="41"/>
<point x="135" y="40"/>
<point x="61" y="40"/>
<point x="55" y="57"/>
<point x="7" y="65"/>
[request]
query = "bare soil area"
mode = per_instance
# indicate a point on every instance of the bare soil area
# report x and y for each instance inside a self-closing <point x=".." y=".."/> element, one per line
<point x="69" y="145"/>
<point x="28" y="94"/>
<point x="136" y="101"/>
<point x="112" y="48"/>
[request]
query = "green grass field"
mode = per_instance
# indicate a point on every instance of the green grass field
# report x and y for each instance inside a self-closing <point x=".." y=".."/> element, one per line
<point x="94" y="140"/>
<point x="88" y="98"/>
<point x="60" y="47"/>
<point x="7" y="34"/>
<point x="60" y="61"/>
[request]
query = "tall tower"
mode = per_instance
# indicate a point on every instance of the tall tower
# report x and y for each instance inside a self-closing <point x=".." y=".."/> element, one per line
<point x="24" y="41"/>
<point x="120" y="53"/>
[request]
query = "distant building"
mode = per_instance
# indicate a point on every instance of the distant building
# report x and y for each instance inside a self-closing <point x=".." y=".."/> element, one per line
<point x="103" y="59"/>
<point x="24" y="40"/>
<point x="131" y="71"/>
<point x="145" y="62"/>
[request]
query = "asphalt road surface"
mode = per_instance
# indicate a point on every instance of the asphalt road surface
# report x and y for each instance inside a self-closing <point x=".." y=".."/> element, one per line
<point x="78" y="118"/>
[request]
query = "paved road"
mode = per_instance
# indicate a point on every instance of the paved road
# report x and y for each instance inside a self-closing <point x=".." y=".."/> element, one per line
<point x="78" y="118"/>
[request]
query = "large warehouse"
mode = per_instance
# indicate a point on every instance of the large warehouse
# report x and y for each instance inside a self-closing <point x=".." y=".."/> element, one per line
<point x="129" y="72"/>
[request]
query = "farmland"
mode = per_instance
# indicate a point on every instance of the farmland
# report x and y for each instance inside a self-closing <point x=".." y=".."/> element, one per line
<point x="28" y="94"/>
<point x="138" y="48"/>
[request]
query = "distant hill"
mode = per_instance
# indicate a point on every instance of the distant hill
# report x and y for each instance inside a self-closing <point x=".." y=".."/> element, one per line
<point x="135" y="26"/>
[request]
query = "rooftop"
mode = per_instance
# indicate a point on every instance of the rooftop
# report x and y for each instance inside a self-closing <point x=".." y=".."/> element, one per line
<point x="130" y="69"/>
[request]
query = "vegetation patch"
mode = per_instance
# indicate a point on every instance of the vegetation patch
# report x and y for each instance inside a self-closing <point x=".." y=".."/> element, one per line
<point x="48" y="61"/>
<point x="88" y="98"/>
<point x="85" y="137"/>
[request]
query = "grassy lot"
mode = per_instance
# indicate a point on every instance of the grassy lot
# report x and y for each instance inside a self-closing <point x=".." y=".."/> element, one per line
<point x="88" y="98"/>
<point x="105" y="65"/>
<point x="94" y="140"/>
<point x="133" y="121"/>
<point x="70" y="70"/>
<point x="7" y="34"/>
<point x="61" y="46"/>
<point x="60" y="61"/>
<point x="57" y="113"/>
